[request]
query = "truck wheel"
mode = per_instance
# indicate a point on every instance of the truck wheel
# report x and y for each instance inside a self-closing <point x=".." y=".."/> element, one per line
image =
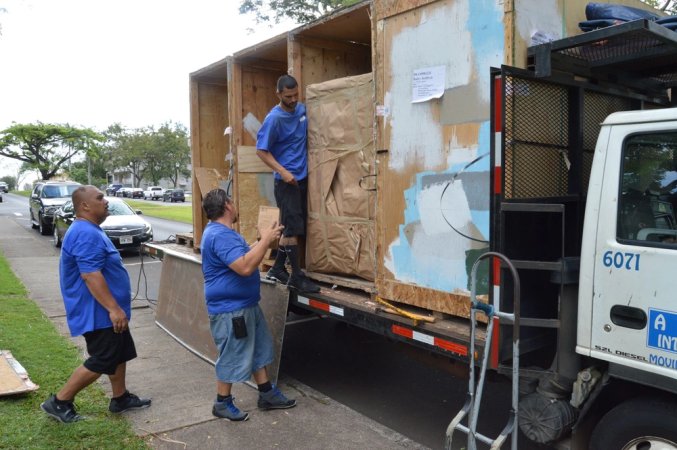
<point x="44" y="228"/>
<point x="637" y="424"/>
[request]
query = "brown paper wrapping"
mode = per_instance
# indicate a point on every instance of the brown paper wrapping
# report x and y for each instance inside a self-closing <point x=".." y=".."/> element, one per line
<point x="341" y="155"/>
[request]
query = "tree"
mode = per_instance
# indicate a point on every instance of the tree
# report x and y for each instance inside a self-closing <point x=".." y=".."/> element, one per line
<point x="46" y="147"/>
<point x="301" y="11"/>
<point x="172" y="140"/>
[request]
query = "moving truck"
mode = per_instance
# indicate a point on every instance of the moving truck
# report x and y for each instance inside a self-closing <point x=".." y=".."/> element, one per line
<point x="440" y="130"/>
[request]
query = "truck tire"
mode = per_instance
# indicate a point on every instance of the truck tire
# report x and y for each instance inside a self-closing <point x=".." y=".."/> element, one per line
<point x="641" y="423"/>
<point x="45" y="230"/>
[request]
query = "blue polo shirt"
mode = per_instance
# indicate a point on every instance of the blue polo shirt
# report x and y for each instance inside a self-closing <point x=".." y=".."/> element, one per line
<point x="87" y="249"/>
<point x="284" y="135"/>
<point x="225" y="290"/>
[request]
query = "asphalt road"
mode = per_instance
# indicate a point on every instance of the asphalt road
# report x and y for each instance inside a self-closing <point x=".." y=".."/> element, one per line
<point x="404" y="388"/>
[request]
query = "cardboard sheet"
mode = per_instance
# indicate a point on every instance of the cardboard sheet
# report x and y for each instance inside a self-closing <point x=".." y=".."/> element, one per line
<point x="267" y="216"/>
<point x="341" y="155"/>
<point x="13" y="377"/>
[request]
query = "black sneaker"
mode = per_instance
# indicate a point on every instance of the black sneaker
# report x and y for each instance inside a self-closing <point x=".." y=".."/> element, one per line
<point x="279" y="275"/>
<point x="63" y="412"/>
<point x="127" y="401"/>
<point x="274" y="399"/>
<point x="302" y="284"/>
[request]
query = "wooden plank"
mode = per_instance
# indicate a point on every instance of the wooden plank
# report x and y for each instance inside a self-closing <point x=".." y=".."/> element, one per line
<point x="346" y="282"/>
<point x="249" y="162"/>
<point x="295" y="60"/>
<point x="445" y="302"/>
<point x="389" y="8"/>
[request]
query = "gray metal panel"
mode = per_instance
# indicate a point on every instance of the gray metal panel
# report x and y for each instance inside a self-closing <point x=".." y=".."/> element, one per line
<point x="181" y="309"/>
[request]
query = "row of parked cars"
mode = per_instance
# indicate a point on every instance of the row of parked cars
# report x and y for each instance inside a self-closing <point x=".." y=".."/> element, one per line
<point x="151" y="193"/>
<point x="52" y="212"/>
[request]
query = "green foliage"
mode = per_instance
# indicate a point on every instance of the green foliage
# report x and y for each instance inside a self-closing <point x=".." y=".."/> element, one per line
<point x="149" y="154"/>
<point x="301" y="11"/>
<point x="49" y="359"/>
<point x="47" y="147"/>
<point x="170" y="211"/>
<point x="10" y="180"/>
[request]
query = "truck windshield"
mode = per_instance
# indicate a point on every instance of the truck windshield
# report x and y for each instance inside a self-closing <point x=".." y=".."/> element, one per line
<point x="58" y="191"/>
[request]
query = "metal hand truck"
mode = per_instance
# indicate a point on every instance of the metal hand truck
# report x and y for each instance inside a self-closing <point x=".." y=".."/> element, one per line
<point x="474" y="396"/>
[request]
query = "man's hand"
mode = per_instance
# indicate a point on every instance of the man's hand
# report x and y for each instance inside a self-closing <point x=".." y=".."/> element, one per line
<point x="272" y="234"/>
<point x="288" y="178"/>
<point x="119" y="319"/>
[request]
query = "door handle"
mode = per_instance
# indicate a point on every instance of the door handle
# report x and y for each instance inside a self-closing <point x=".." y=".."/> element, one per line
<point x="628" y="317"/>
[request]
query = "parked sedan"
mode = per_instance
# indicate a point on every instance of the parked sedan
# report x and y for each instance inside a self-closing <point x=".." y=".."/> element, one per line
<point x="135" y="193"/>
<point x="174" y="195"/>
<point x="123" y="226"/>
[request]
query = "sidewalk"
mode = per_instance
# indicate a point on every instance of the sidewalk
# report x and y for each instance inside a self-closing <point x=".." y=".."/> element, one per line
<point x="182" y="385"/>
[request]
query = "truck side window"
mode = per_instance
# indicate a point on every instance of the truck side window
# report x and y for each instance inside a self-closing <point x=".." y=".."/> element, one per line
<point x="648" y="193"/>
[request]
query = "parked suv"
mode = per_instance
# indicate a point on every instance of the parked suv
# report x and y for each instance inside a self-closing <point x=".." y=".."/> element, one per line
<point x="46" y="198"/>
<point x="112" y="189"/>
<point x="174" y="195"/>
<point x="3" y="187"/>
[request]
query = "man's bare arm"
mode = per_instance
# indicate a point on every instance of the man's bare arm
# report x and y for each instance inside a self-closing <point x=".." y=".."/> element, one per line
<point x="97" y="285"/>
<point x="270" y="161"/>
<point x="247" y="264"/>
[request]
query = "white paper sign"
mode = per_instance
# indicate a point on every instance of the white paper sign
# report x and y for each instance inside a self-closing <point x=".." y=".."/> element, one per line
<point x="428" y="83"/>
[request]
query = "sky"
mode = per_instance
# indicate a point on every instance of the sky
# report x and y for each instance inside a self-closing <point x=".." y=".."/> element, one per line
<point x="92" y="63"/>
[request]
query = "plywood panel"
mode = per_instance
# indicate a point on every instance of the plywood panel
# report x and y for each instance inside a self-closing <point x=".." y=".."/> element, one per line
<point x="255" y="189"/>
<point x="328" y="60"/>
<point x="433" y="204"/>
<point x="448" y="303"/>
<point x="209" y="145"/>
<point x="248" y="161"/>
<point x="258" y="97"/>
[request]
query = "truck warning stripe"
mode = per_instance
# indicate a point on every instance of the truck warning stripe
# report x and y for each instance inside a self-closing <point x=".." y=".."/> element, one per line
<point x="430" y="340"/>
<point x="498" y="116"/>
<point x="321" y="305"/>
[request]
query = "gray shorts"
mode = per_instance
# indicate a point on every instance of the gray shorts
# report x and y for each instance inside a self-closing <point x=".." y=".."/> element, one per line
<point x="238" y="358"/>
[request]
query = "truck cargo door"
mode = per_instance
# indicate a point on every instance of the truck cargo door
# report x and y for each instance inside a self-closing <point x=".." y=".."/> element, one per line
<point x="634" y="300"/>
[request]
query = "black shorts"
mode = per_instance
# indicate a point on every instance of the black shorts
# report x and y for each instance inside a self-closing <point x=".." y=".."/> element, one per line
<point x="107" y="350"/>
<point x="293" y="203"/>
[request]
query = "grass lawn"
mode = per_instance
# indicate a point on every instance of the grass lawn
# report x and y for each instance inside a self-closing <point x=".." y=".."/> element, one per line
<point x="22" y="193"/>
<point x="49" y="359"/>
<point x="171" y="211"/>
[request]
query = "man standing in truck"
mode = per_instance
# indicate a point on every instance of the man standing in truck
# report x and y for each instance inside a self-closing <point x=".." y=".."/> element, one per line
<point x="97" y="296"/>
<point x="232" y="292"/>
<point x="282" y="145"/>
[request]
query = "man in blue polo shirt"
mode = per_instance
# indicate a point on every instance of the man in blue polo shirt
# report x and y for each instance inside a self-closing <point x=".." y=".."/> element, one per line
<point x="282" y="145"/>
<point x="97" y="295"/>
<point x="232" y="294"/>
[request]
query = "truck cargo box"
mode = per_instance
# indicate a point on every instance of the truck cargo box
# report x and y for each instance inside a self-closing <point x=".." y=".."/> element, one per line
<point x="431" y="62"/>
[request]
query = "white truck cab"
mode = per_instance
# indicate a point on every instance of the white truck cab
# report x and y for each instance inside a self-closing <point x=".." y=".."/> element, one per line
<point x="627" y="302"/>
